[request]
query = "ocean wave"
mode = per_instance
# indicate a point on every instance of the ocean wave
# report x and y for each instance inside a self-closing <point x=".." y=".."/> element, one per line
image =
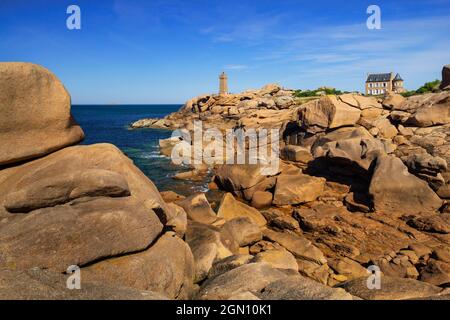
<point x="150" y="155"/>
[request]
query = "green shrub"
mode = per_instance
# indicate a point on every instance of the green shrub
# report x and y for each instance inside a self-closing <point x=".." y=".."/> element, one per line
<point x="316" y="92"/>
<point x="426" y="88"/>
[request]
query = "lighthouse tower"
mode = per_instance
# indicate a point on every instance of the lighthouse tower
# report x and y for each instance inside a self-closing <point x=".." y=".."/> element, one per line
<point x="223" y="84"/>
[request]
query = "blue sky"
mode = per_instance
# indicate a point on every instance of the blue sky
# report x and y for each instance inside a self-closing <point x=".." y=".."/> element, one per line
<point x="167" y="51"/>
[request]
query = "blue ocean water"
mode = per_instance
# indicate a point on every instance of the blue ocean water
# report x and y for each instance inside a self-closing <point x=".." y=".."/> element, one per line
<point x="109" y="123"/>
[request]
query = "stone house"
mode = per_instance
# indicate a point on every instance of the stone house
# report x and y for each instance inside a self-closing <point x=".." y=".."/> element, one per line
<point x="384" y="83"/>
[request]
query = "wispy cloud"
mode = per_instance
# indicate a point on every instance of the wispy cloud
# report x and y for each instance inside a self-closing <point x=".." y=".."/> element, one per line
<point x="236" y="67"/>
<point x="417" y="48"/>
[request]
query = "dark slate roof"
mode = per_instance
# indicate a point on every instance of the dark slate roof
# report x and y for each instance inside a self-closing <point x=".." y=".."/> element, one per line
<point x="378" y="77"/>
<point x="398" y="77"/>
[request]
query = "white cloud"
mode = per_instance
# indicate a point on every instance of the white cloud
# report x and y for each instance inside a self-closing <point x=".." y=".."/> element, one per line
<point x="236" y="67"/>
<point x="342" y="55"/>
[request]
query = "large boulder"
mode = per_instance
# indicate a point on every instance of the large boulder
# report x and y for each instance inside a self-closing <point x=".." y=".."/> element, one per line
<point x="243" y="230"/>
<point x="348" y="267"/>
<point x="198" y="208"/>
<point x="284" y="102"/>
<point x="63" y="188"/>
<point x="445" y="77"/>
<point x="348" y="151"/>
<point x="228" y="264"/>
<point x="432" y="110"/>
<point x="243" y="180"/>
<point x="231" y="208"/>
<point x="301" y="288"/>
<point x="298" y="188"/>
<point x="251" y="277"/>
<point x="327" y="112"/>
<point x="261" y="199"/>
<point x="76" y="234"/>
<point x="280" y="259"/>
<point x="40" y="284"/>
<point x="391" y="289"/>
<point x="296" y="154"/>
<point x="208" y="245"/>
<point x="53" y="219"/>
<point x="35" y="109"/>
<point x="299" y="246"/>
<point x="394" y="190"/>
<point x="167" y="267"/>
<point x="267" y="283"/>
<point x="393" y="101"/>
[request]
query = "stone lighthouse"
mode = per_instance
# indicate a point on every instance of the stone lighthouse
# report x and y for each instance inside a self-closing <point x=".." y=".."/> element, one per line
<point x="223" y="84"/>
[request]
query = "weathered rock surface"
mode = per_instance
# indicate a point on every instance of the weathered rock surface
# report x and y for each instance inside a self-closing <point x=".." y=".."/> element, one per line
<point x="231" y="208"/>
<point x="267" y="283"/>
<point x="177" y="219"/>
<point x="208" y="245"/>
<point x="301" y="288"/>
<point x="261" y="199"/>
<point x="90" y="206"/>
<point x="396" y="191"/>
<point x="295" y="189"/>
<point x="121" y="211"/>
<point x="63" y="188"/>
<point x="35" y="109"/>
<point x="229" y="263"/>
<point x="167" y="267"/>
<point x="300" y="247"/>
<point x="243" y="180"/>
<point x="39" y="284"/>
<point x="198" y="208"/>
<point x="327" y="112"/>
<point x="445" y="77"/>
<point x="391" y="289"/>
<point x="77" y="234"/>
<point x="434" y="110"/>
<point x="394" y="101"/>
<point x="243" y="230"/>
<point x="251" y="277"/>
<point x="279" y="259"/>
<point x="296" y="154"/>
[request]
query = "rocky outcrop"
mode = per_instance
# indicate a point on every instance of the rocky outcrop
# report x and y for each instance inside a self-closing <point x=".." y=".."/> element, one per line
<point x="88" y="206"/>
<point x="361" y="182"/>
<point x="266" y="107"/>
<point x="86" y="223"/>
<point x="35" y="109"/>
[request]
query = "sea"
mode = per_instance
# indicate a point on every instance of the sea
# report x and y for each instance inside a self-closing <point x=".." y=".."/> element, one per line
<point x="110" y="123"/>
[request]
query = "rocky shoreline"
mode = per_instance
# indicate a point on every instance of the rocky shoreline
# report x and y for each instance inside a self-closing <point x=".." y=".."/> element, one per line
<point x="361" y="182"/>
